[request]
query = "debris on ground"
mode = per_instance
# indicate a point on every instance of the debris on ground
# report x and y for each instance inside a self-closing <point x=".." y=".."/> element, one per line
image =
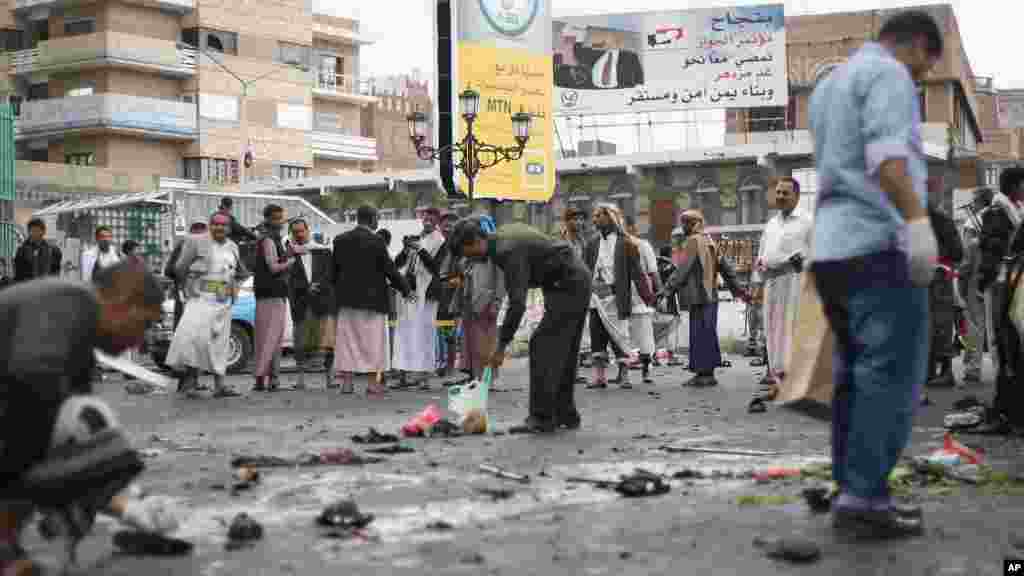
<point x="393" y="449"/>
<point x="243" y="530"/>
<point x="776" y="474"/>
<point x="764" y="500"/>
<point x="640" y="483"/>
<point x="151" y="452"/>
<point x="445" y="428"/>
<point x="497" y="494"/>
<point x="790" y="549"/>
<point x="375" y="437"/>
<point x="688" y="474"/>
<point x="440" y="526"/>
<point x="344" y="514"/>
<point x="148" y="544"/>
<point x="472" y="558"/>
<point x="475" y="422"/>
<point x="819" y="498"/>
<point x="727" y="451"/>
<point x="141" y="388"/>
<point x="245" y="479"/>
<point x="422" y="423"/>
<point x="501" y="473"/>
<point x="337" y="457"/>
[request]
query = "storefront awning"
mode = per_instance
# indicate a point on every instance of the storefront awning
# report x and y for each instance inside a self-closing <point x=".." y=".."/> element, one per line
<point x="106" y="202"/>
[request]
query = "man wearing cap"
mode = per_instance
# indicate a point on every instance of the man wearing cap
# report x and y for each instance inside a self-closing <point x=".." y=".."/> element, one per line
<point x="210" y="270"/>
<point x="532" y="259"/>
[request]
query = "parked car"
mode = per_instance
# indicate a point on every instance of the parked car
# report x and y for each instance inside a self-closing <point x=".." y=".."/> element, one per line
<point x="243" y="330"/>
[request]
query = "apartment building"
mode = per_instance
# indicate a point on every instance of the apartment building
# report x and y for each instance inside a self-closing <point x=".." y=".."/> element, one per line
<point x="1002" y="123"/>
<point x="110" y="94"/>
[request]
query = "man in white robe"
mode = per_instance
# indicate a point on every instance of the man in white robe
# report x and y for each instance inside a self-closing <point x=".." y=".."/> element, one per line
<point x="210" y="269"/>
<point x="415" y="330"/>
<point x="777" y="272"/>
<point x="641" y="321"/>
<point x="103" y="254"/>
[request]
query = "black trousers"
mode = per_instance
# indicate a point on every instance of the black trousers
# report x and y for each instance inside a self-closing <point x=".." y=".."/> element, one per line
<point x="600" y="340"/>
<point x="1009" y="397"/>
<point x="555" y="347"/>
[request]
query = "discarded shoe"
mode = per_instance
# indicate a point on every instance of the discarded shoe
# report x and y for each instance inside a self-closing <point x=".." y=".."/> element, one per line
<point x="819" y="499"/>
<point x="642" y="483"/>
<point x="393" y="449"/>
<point x="875" y="524"/>
<point x="344" y="514"/>
<point x="243" y="529"/>
<point x="375" y="437"/>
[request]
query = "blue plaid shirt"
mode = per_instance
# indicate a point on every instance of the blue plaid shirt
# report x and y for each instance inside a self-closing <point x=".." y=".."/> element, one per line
<point x="864" y="113"/>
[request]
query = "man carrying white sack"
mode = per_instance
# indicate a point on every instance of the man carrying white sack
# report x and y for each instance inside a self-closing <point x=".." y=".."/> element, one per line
<point x="777" y="272"/>
<point x="210" y="269"/>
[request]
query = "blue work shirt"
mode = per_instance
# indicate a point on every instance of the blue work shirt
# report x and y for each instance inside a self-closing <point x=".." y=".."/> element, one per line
<point x="864" y="113"/>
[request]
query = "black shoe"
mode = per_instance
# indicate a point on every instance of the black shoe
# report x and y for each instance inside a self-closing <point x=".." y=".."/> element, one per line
<point x="647" y="377"/>
<point x="532" y="426"/>
<point x="572" y="422"/>
<point x="875" y="524"/>
<point x="597" y="385"/>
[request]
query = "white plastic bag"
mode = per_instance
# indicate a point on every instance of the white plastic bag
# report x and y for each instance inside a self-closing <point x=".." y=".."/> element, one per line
<point x="469" y="403"/>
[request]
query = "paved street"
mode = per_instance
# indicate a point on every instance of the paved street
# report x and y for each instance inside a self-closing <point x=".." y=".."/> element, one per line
<point x="548" y="526"/>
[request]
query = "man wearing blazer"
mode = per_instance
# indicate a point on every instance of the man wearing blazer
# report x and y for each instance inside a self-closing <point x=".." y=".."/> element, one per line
<point x="362" y="271"/>
<point x="309" y="294"/>
<point x="581" y="67"/>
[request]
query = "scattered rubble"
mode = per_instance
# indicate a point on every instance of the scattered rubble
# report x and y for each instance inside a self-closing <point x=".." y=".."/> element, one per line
<point x="344" y="514"/>
<point x="764" y="500"/>
<point x="501" y="473"/>
<point x="393" y="449"/>
<point x="497" y="494"/>
<point x="147" y="544"/>
<point x="338" y="457"/>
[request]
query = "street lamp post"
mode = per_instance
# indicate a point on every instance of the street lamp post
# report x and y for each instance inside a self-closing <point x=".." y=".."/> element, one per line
<point x="242" y="119"/>
<point x="474" y="154"/>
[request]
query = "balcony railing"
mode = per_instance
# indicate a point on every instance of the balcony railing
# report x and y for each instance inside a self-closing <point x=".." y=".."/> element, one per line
<point x="157" y="118"/>
<point x="344" y="84"/>
<point x="178" y="6"/>
<point x="339" y="146"/>
<point x="105" y="48"/>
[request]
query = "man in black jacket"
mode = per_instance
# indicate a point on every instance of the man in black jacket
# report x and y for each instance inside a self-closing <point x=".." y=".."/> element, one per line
<point x="942" y="300"/>
<point x="309" y="288"/>
<point x="36" y="258"/>
<point x="363" y="272"/>
<point x="1000" y="238"/>
<point x="531" y="259"/>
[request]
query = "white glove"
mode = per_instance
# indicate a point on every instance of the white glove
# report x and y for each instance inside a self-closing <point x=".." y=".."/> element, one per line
<point x="153" y="515"/>
<point x="923" y="251"/>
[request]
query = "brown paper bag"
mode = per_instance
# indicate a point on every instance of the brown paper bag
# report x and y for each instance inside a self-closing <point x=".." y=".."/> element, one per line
<point x="808" y="384"/>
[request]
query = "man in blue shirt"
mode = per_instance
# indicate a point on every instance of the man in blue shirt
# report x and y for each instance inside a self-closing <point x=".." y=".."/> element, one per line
<point x="873" y="256"/>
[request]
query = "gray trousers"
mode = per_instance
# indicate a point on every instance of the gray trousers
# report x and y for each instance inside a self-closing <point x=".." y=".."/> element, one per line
<point x="976" y="335"/>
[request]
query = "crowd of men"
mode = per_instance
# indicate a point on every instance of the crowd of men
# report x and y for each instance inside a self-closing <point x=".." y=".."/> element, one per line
<point x="890" y="268"/>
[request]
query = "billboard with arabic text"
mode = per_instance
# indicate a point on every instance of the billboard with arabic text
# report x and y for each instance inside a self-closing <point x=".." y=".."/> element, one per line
<point x="679" y="60"/>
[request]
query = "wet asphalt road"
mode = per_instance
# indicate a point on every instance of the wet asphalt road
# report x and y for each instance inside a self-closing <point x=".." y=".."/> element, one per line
<point x="548" y="526"/>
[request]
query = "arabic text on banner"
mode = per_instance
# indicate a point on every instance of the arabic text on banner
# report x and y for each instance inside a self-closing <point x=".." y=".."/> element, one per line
<point x="678" y="60"/>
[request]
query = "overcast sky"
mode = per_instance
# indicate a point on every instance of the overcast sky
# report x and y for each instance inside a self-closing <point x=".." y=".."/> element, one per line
<point x="403" y="33"/>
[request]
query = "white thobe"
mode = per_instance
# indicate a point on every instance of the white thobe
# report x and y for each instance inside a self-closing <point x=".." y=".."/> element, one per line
<point x="202" y="339"/>
<point x="414" y="333"/>
<point x="93" y="257"/>
<point x="783" y="238"/>
<point x="641" y="326"/>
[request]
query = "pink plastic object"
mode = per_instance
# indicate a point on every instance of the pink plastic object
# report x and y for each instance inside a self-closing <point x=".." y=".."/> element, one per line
<point x="421" y="423"/>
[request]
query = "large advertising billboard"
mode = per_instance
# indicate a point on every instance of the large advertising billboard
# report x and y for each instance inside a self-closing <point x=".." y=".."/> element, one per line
<point x="503" y="51"/>
<point x="679" y="60"/>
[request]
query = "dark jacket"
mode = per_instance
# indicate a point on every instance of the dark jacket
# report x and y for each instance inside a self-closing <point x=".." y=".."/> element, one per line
<point x="996" y="232"/>
<point x="687" y="281"/>
<point x="172" y="260"/>
<point x="36" y="261"/>
<point x="363" y="271"/>
<point x="946" y="235"/>
<point x="627" y="272"/>
<point x="529" y="259"/>
<point x="271" y="280"/>
<point x="238" y="233"/>
<point x="300" y="291"/>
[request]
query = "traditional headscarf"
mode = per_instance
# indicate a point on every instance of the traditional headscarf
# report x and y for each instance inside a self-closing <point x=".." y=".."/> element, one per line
<point x="614" y="215"/>
<point x="699" y="245"/>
